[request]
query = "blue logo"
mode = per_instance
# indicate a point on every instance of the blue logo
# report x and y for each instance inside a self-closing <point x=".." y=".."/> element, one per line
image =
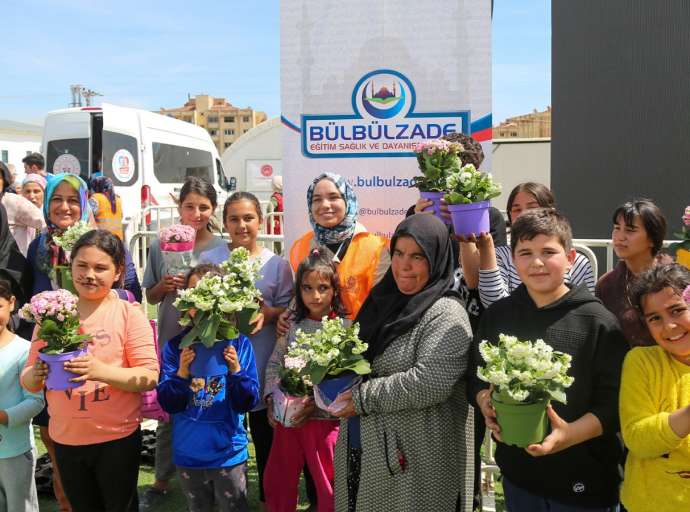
<point x="383" y="123"/>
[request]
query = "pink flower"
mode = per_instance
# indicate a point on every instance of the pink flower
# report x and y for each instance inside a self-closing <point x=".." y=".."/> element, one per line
<point x="686" y="216"/>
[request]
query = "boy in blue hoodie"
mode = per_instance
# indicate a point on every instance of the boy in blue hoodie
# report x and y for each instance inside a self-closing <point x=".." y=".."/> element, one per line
<point x="209" y="439"/>
<point x="575" y="468"/>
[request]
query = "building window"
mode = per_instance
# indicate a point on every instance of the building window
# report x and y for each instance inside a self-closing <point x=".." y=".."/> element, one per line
<point x="213" y="133"/>
<point x="245" y="119"/>
<point x="187" y="118"/>
<point x="229" y="131"/>
<point x="4" y="156"/>
<point x="514" y="134"/>
<point x="212" y="119"/>
<point x="229" y="119"/>
<point x="29" y="153"/>
<point x="228" y="144"/>
<point x="245" y="131"/>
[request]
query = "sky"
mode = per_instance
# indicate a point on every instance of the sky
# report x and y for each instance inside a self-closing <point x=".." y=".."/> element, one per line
<point x="151" y="54"/>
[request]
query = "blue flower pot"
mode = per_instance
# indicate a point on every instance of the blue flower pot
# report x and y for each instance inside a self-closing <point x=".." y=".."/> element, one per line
<point x="331" y="386"/>
<point x="208" y="362"/>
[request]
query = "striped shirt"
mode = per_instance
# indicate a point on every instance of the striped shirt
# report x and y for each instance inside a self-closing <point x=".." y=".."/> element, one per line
<point x="500" y="282"/>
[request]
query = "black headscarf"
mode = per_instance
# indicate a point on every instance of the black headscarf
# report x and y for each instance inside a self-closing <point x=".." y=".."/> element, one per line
<point x="387" y="313"/>
<point x="6" y="178"/>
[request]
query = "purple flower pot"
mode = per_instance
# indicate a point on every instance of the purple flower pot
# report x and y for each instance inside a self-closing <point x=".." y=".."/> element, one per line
<point x="58" y="378"/>
<point x="436" y="198"/>
<point x="470" y="218"/>
<point x="208" y="362"/>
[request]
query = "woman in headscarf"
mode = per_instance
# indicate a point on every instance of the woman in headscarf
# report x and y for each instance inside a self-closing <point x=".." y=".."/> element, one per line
<point x="65" y="203"/>
<point x="407" y="445"/>
<point x="106" y="206"/>
<point x="34" y="188"/>
<point x="362" y="257"/>
<point x="24" y="218"/>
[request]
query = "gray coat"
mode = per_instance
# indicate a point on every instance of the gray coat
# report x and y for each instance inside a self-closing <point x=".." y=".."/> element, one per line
<point x="415" y="406"/>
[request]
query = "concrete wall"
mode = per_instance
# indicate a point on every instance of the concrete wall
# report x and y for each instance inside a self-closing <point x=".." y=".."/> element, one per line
<point x="17" y="144"/>
<point x="515" y="161"/>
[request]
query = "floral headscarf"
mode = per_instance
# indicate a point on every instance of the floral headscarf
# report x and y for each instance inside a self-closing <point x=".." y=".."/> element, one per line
<point x="49" y="254"/>
<point x="346" y="228"/>
<point x="35" y="178"/>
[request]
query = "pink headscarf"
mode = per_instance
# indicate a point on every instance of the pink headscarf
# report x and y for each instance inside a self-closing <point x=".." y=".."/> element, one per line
<point x="35" y="178"/>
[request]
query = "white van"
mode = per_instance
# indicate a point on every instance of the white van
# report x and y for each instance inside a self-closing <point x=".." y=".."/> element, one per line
<point x="147" y="155"/>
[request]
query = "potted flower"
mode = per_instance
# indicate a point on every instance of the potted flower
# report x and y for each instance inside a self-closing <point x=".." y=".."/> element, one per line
<point x="292" y="393"/>
<point x="177" y="247"/>
<point x="683" y="248"/>
<point x="525" y="377"/>
<point x="56" y="314"/>
<point x="332" y="358"/>
<point x="436" y="159"/>
<point x="468" y="197"/>
<point x="66" y="241"/>
<point x="218" y="308"/>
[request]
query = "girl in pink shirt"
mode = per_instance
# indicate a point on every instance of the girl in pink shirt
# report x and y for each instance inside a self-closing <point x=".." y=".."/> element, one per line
<point x="96" y="426"/>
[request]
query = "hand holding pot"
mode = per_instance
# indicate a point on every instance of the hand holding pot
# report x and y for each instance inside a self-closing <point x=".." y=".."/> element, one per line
<point x="422" y="204"/>
<point x="489" y="413"/>
<point x="230" y="355"/>
<point x="39" y="373"/>
<point x="269" y="411"/>
<point x="343" y="406"/>
<point x="186" y="358"/>
<point x="257" y="322"/>
<point x="283" y="323"/>
<point x="301" y="417"/>
<point x="87" y="367"/>
<point x="559" y="439"/>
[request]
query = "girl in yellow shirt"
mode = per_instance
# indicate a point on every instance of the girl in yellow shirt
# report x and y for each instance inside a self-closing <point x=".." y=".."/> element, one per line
<point x="655" y="397"/>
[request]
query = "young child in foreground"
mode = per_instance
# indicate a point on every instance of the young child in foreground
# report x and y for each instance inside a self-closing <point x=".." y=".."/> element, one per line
<point x="209" y="439"/>
<point x="655" y="396"/>
<point x="311" y="439"/>
<point x="576" y="466"/>
<point x="17" y="407"/>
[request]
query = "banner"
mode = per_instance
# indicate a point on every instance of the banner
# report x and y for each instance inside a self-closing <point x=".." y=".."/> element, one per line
<point x="363" y="82"/>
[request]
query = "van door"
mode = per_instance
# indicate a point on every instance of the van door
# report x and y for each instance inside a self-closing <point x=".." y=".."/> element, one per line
<point x="66" y="142"/>
<point x="121" y="156"/>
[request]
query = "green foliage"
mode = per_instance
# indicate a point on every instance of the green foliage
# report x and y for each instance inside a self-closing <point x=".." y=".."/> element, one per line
<point x="468" y="185"/>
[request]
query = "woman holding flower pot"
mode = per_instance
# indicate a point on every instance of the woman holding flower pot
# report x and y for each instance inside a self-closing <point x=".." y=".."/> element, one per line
<point x="414" y="419"/>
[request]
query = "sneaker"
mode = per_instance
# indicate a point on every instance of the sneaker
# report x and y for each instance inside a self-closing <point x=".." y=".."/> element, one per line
<point x="150" y="498"/>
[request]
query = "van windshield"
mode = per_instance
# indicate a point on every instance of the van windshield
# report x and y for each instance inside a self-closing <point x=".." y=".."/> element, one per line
<point x="69" y="155"/>
<point x="172" y="164"/>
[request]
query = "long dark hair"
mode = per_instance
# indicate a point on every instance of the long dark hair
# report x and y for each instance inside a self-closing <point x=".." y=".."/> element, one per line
<point x="320" y="260"/>
<point x="108" y="243"/>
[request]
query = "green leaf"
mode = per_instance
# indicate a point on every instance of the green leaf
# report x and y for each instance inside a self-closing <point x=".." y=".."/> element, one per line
<point x="317" y="373"/>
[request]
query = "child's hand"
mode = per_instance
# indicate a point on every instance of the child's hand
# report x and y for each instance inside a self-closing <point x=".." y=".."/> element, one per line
<point x="87" y="367"/>
<point x="39" y="372"/>
<point x="186" y="358"/>
<point x="257" y="322"/>
<point x="559" y="439"/>
<point x="303" y="416"/>
<point x="489" y="413"/>
<point x="283" y="323"/>
<point x="231" y="358"/>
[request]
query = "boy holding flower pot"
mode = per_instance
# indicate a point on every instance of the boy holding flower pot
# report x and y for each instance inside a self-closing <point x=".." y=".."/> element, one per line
<point x="575" y="467"/>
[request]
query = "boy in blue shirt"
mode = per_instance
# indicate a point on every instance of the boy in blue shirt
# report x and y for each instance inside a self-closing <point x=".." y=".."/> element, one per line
<point x="575" y="468"/>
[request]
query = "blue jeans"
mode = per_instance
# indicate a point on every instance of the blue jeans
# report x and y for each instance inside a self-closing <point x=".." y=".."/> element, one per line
<point x="520" y="500"/>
